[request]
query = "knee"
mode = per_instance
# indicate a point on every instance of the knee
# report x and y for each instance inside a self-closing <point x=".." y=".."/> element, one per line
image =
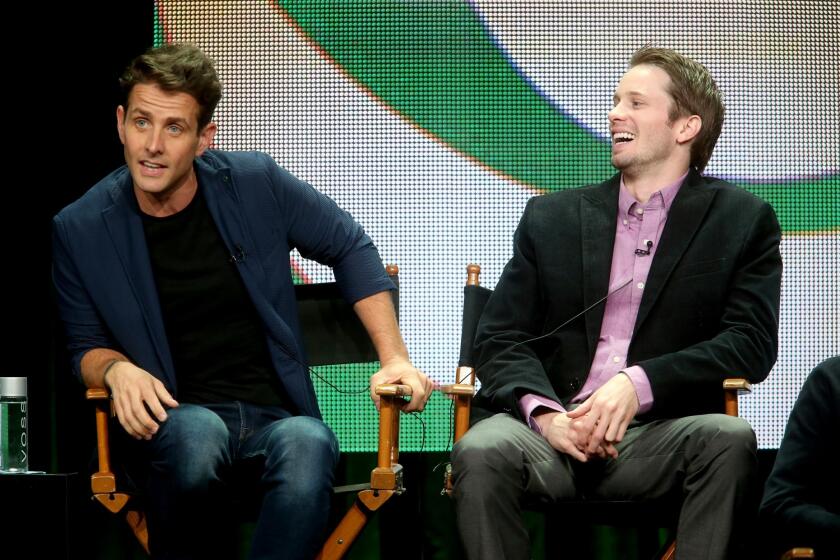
<point x="731" y="439"/>
<point x="486" y="453"/>
<point x="735" y="433"/>
<point x="192" y="445"/>
<point x="309" y="439"/>
<point x="303" y="448"/>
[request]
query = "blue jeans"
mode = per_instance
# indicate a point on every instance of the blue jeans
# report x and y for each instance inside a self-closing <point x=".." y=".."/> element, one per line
<point x="191" y="460"/>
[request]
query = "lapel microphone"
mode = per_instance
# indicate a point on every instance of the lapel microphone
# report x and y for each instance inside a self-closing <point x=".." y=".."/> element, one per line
<point x="642" y="252"/>
<point x="239" y="255"/>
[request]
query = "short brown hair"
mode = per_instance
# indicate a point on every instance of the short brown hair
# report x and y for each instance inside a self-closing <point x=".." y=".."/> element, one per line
<point x="177" y="67"/>
<point x="694" y="93"/>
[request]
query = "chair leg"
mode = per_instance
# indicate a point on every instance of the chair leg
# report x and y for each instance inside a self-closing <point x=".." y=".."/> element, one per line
<point x="352" y="523"/>
<point x="670" y="552"/>
<point x="137" y="521"/>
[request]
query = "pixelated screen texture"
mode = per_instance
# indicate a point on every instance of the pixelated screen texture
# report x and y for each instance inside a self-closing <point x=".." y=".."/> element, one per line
<point x="434" y="122"/>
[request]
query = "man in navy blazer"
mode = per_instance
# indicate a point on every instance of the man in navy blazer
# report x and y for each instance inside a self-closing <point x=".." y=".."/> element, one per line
<point x="175" y="289"/>
<point x="603" y="349"/>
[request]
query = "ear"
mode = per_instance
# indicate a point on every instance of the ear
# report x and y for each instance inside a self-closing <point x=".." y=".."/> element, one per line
<point x="205" y="138"/>
<point x="689" y="128"/>
<point x="121" y="123"/>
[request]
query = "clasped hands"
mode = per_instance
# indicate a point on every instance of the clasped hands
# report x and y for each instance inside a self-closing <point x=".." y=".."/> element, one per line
<point x="595" y="427"/>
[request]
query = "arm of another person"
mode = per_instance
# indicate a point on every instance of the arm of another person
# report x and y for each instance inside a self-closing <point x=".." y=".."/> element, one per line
<point x="94" y="358"/>
<point x="803" y="484"/>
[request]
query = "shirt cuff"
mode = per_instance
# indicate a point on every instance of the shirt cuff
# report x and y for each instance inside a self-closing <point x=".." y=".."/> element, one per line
<point x="641" y="383"/>
<point x="530" y="402"/>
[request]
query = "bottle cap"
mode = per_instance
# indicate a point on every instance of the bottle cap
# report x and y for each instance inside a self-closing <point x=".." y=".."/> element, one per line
<point x="13" y="386"/>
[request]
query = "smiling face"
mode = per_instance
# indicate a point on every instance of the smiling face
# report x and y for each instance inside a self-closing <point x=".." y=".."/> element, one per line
<point x="159" y="132"/>
<point x="645" y="141"/>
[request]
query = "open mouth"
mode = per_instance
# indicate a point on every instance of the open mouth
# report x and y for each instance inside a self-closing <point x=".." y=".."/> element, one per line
<point x="150" y="169"/>
<point x="623" y="137"/>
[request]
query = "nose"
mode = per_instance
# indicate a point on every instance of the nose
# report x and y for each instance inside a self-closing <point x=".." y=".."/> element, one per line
<point x="615" y="113"/>
<point x="154" y="141"/>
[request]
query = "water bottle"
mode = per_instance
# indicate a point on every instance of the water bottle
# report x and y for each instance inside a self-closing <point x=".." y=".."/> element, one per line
<point x="14" y="450"/>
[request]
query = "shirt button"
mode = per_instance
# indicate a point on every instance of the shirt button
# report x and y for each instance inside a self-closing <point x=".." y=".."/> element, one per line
<point x="625" y="222"/>
<point x="641" y="285"/>
<point x="616" y="359"/>
<point x="640" y="211"/>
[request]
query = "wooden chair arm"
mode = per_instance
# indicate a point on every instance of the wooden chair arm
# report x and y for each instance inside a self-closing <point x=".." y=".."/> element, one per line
<point x="103" y="481"/>
<point x="798" y="553"/>
<point x="97" y="393"/>
<point x="458" y="389"/>
<point x="391" y="390"/>
<point x="738" y="384"/>
<point x="732" y="387"/>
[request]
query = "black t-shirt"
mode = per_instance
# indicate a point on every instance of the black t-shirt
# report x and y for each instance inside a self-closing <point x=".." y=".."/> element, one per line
<point x="215" y="335"/>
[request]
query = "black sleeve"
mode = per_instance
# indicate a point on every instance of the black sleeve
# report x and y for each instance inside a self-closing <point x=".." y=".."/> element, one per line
<point x="801" y="497"/>
<point x="507" y="368"/>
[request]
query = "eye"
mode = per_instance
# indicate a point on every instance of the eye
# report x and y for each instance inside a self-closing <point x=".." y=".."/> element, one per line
<point x="635" y="104"/>
<point x="141" y="123"/>
<point x="173" y="129"/>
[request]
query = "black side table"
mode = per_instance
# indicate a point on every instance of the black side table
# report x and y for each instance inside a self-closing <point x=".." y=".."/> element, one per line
<point x="39" y="515"/>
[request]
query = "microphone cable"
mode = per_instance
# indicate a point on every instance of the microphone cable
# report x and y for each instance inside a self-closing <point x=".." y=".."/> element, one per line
<point x="555" y="329"/>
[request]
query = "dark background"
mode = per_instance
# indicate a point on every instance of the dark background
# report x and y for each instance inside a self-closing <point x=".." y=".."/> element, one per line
<point x="63" y="89"/>
<point x="60" y="68"/>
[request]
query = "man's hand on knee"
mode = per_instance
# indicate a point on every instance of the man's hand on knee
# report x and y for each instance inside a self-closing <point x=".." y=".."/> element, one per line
<point x="136" y="394"/>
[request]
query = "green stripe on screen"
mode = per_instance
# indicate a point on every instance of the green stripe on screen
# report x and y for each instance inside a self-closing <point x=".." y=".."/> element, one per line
<point x="804" y="206"/>
<point x="348" y="410"/>
<point x="434" y="64"/>
<point x="159" y="32"/>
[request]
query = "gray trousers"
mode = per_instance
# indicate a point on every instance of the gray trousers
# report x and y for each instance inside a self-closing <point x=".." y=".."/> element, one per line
<point x="501" y="463"/>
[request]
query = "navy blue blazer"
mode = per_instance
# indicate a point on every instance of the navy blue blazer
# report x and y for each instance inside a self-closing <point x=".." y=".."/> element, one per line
<point x="106" y="289"/>
<point x="710" y="308"/>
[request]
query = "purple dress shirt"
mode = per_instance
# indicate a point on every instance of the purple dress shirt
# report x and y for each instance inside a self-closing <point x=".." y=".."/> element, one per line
<point x="637" y="233"/>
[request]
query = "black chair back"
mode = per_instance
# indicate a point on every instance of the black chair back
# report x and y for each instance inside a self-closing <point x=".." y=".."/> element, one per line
<point x="475" y="298"/>
<point x="332" y="332"/>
